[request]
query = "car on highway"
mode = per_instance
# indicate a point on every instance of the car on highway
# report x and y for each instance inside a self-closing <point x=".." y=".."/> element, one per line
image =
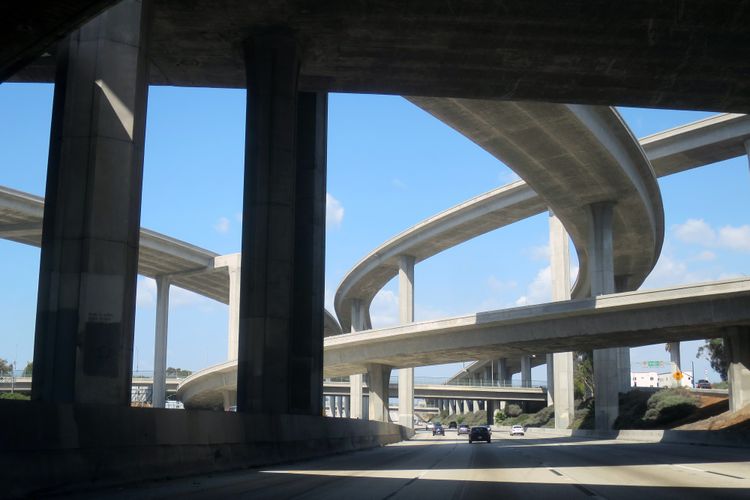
<point x="479" y="433"/>
<point x="438" y="429"/>
<point x="463" y="429"/>
<point x="516" y="430"/>
<point x="452" y="424"/>
<point x="703" y="384"/>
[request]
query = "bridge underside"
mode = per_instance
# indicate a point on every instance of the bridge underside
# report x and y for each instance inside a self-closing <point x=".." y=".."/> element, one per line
<point x="648" y="53"/>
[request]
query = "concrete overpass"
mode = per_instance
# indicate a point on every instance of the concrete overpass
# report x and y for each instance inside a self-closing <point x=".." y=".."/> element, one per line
<point x="648" y="54"/>
<point x="288" y="56"/>
<point x="686" y="312"/>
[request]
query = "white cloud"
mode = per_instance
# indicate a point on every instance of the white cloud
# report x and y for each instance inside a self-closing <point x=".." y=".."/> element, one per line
<point x="384" y="309"/>
<point x="222" y="225"/>
<point x="178" y="297"/>
<point x="541" y="252"/>
<point x="145" y="292"/>
<point x="735" y="238"/>
<point x="334" y="212"/>
<point x="699" y="232"/>
<point x="539" y="290"/>
<point x="695" y="231"/>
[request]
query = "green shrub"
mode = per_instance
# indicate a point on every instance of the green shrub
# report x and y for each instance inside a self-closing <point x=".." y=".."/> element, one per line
<point x="542" y="417"/>
<point x="14" y="395"/>
<point x="499" y="417"/>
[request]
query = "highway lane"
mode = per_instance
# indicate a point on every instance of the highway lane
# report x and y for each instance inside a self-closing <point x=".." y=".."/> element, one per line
<point x="449" y="467"/>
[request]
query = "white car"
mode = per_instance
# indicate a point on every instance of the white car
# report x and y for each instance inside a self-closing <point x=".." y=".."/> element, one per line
<point x="517" y="429"/>
<point x="430" y="426"/>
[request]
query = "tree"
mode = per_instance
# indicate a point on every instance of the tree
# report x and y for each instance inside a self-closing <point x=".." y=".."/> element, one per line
<point x="177" y="372"/>
<point x="716" y="354"/>
<point x="27" y="372"/>
<point x="583" y="375"/>
<point x="5" y="368"/>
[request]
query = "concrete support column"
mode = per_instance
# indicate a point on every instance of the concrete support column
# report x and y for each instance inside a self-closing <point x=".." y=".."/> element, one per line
<point x="562" y="362"/>
<point x="233" y="263"/>
<point x="406" y="315"/>
<point x="339" y="407"/>
<point x="346" y="408"/>
<point x="83" y="347"/>
<point x="159" y="392"/>
<point x="489" y="406"/>
<point x="601" y="273"/>
<point x="550" y="379"/>
<point x="526" y="371"/>
<point x="229" y="399"/>
<point x="355" y="381"/>
<point x="501" y="371"/>
<point x="280" y="358"/>
<point x="451" y="407"/>
<point x="379" y="377"/>
<point x="674" y="354"/>
<point x="737" y="345"/>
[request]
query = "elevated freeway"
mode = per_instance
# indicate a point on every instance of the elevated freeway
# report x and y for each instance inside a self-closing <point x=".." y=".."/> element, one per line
<point x="630" y="319"/>
<point x="713" y="139"/>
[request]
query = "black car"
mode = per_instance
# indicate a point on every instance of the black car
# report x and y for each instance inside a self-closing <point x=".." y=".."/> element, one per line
<point x="452" y="424"/>
<point x="479" y="434"/>
<point x="438" y="429"/>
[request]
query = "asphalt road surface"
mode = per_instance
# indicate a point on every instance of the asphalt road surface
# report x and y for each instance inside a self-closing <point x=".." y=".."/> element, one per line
<point x="449" y="467"/>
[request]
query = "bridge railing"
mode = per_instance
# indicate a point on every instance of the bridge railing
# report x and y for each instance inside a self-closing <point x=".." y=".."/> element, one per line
<point x="460" y="382"/>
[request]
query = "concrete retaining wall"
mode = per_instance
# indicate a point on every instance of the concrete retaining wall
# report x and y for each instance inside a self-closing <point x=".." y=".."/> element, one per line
<point x="47" y="447"/>
<point x="738" y="439"/>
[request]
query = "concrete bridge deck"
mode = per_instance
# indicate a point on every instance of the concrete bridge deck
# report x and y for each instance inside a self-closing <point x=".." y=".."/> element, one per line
<point x="631" y="319"/>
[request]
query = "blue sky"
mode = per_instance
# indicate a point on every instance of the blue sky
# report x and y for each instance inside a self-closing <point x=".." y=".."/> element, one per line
<point x="390" y="165"/>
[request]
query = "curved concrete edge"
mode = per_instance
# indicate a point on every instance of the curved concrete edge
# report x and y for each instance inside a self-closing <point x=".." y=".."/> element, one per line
<point x="733" y="439"/>
<point x="204" y="388"/>
<point x="54" y="448"/>
<point x="427" y="238"/>
<point x="330" y="325"/>
<point x="608" y="126"/>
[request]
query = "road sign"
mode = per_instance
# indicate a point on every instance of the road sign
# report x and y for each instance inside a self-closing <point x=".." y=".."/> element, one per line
<point x="652" y="364"/>
<point x="678" y="375"/>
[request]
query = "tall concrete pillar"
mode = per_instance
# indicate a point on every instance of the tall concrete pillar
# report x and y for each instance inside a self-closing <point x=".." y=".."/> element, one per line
<point x="345" y="407"/>
<point x="737" y="345"/>
<point x="233" y="263"/>
<point x="489" y="406"/>
<point x="601" y="272"/>
<point x="550" y="379"/>
<point x="406" y="315"/>
<point x="339" y="407"/>
<point x="451" y="407"/>
<point x="379" y="377"/>
<point x="526" y="371"/>
<point x="280" y="356"/>
<point x="502" y="371"/>
<point x="159" y="392"/>
<point x="83" y="347"/>
<point x="674" y="354"/>
<point x="356" y="380"/>
<point x="562" y="362"/>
